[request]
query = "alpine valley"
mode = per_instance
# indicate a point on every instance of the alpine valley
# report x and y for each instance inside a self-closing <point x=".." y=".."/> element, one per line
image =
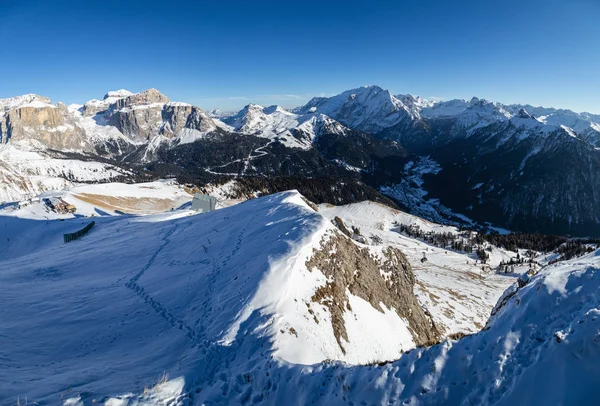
<point x="475" y="163"/>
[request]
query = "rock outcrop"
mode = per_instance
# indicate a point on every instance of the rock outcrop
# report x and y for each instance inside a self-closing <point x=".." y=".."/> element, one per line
<point x="147" y="114"/>
<point x="38" y="121"/>
<point x="387" y="280"/>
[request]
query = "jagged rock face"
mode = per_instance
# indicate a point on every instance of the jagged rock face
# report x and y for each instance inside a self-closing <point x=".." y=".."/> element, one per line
<point x="177" y="117"/>
<point x="386" y="280"/>
<point x="113" y="126"/>
<point x="138" y="116"/>
<point x="138" y="122"/>
<point x="145" y="115"/>
<point x="94" y="107"/>
<point x="149" y="96"/>
<point x="50" y="125"/>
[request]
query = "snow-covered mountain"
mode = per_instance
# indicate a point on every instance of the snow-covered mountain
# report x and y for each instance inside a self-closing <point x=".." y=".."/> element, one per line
<point x="494" y="163"/>
<point x="370" y="109"/>
<point x="273" y="122"/>
<point x="180" y="295"/>
<point x="115" y="125"/>
<point x="528" y="168"/>
<point x="271" y="302"/>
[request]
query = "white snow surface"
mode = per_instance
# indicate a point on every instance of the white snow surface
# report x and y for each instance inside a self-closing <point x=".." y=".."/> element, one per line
<point x="118" y="94"/>
<point x="170" y="293"/>
<point x="25" y="174"/>
<point x="198" y="309"/>
<point x="27" y="100"/>
<point x="273" y="122"/>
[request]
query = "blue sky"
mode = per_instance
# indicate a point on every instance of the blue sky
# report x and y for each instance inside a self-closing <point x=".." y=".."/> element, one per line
<point x="228" y="53"/>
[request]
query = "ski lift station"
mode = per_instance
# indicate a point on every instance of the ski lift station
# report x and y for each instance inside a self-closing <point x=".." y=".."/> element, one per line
<point x="203" y="203"/>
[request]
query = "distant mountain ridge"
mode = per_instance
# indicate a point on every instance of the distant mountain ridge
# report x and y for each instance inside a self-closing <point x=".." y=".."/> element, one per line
<point x="529" y="168"/>
<point x="518" y="166"/>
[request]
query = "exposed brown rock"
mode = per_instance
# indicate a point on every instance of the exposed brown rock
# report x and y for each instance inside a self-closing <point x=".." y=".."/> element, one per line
<point x="138" y="123"/>
<point x="51" y="126"/>
<point x="339" y="223"/>
<point x="310" y="204"/>
<point x="147" y="114"/>
<point x="350" y="267"/>
<point x="177" y="117"/>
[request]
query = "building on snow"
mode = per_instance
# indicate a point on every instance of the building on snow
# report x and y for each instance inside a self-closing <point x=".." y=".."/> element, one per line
<point x="203" y="203"/>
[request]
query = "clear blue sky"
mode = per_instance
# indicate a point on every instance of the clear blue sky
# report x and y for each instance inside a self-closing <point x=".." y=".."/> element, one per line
<point x="228" y="53"/>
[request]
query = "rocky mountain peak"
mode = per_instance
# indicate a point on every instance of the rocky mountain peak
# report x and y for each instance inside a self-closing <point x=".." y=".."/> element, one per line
<point x="369" y="109"/>
<point x="32" y="121"/>
<point x="146" y="97"/>
<point x="117" y="94"/>
<point x="26" y="100"/>
<point x="524" y="114"/>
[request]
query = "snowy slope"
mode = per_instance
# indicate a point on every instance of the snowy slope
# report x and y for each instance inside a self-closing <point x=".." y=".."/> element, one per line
<point x="293" y="130"/>
<point x="173" y="292"/>
<point x="457" y="292"/>
<point x="26" y="174"/>
<point x="96" y="128"/>
<point x="540" y="349"/>
<point x="106" y="199"/>
<point x="212" y="309"/>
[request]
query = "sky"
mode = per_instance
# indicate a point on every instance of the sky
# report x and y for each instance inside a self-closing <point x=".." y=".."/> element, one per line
<point x="229" y="53"/>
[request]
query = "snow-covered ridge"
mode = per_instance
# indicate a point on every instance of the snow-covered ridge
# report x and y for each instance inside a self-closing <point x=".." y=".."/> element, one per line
<point x="373" y="109"/>
<point x="27" y="100"/>
<point x="117" y="94"/>
<point x="274" y="122"/>
<point x="212" y="309"/>
<point x="200" y="284"/>
<point x="369" y="108"/>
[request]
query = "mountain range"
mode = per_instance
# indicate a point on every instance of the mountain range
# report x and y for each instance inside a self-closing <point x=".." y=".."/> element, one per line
<point x="474" y="163"/>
